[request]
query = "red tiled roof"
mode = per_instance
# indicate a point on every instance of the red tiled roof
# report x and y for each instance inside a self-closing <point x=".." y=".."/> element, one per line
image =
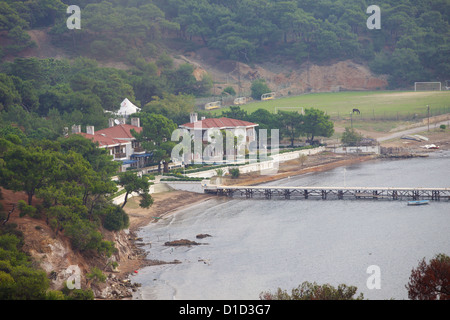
<point x="220" y="123"/>
<point x="102" y="140"/>
<point x="113" y="135"/>
<point x="121" y="131"/>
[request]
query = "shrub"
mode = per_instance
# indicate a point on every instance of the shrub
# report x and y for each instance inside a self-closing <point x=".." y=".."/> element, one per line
<point x="443" y="126"/>
<point x="229" y="90"/>
<point x="26" y="209"/>
<point x="259" y="87"/>
<point x="83" y="235"/>
<point x="96" y="275"/>
<point x="115" y="219"/>
<point x="350" y="137"/>
<point x="235" y="173"/>
<point x="107" y="248"/>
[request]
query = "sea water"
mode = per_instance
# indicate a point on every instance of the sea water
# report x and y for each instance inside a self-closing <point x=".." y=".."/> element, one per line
<point x="260" y="245"/>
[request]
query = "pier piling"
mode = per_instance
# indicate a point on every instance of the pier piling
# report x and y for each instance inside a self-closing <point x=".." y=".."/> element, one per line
<point x="324" y="193"/>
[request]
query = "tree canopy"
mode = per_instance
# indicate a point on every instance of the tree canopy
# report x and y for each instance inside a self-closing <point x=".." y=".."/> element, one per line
<point x="430" y="281"/>
<point x="412" y="42"/>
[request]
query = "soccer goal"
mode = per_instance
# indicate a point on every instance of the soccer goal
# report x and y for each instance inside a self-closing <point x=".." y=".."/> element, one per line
<point x="427" y="86"/>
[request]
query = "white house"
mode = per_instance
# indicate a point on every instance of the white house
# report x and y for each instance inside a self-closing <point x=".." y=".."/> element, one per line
<point x="199" y="130"/>
<point x="119" y="142"/>
<point x="127" y="108"/>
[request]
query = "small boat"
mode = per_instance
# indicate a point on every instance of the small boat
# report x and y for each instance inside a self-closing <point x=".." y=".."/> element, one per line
<point x="430" y="146"/>
<point x="418" y="202"/>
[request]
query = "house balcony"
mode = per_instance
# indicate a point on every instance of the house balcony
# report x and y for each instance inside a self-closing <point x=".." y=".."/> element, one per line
<point x="119" y="156"/>
<point x="139" y="150"/>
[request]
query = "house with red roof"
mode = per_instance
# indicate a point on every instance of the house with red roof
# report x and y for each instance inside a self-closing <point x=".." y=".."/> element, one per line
<point x="119" y="142"/>
<point x="199" y="129"/>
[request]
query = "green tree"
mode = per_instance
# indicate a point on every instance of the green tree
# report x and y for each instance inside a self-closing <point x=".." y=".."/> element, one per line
<point x="265" y="120"/>
<point x="317" y="123"/>
<point x="174" y="107"/>
<point x="9" y="94"/>
<point x="115" y="218"/>
<point x="156" y="135"/>
<point x="132" y="183"/>
<point x="27" y="170"/>
<point x="291" y="124"/>
<point x="235" y="112"/>
<point x="83" y="235"/>
<point x="98" y="158"/>
<point x="258" y="88"/>
<point x="350" y="137"/>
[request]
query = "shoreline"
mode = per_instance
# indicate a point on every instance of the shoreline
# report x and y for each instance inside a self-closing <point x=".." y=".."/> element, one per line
<point x="170" y="202"/>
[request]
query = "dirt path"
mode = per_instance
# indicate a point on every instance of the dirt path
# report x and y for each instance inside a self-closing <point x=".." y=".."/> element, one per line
<point x="399" y="134"/>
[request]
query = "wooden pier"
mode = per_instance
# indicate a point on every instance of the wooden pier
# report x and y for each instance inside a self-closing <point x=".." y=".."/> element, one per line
<point x="340" y="193"/>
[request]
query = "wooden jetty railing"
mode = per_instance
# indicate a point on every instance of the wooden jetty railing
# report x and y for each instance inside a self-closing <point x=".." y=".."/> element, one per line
<point x="269" y="192"/>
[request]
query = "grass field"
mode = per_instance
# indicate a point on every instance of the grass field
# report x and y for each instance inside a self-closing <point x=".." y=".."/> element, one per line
<point x="373" y="105"/>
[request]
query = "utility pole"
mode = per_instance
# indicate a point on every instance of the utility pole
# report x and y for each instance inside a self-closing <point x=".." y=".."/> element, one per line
<point x="428" y="108"/>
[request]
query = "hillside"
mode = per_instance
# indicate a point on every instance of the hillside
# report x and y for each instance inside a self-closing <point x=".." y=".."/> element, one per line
<point x="55" y="254"/>
<point x="284" y="77"/>
<point x="169" y="57"/>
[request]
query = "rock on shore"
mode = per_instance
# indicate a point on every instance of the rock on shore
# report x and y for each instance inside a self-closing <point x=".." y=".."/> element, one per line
<point x="182" y="242"/>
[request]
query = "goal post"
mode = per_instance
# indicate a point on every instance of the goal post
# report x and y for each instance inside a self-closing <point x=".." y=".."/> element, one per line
<point x="427" y="86"/>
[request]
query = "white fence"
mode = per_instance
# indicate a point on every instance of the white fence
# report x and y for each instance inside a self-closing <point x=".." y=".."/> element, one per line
<point x="260" y="166"/>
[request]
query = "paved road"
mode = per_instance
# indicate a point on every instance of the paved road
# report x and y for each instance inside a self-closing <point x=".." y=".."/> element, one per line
<point x="412" y="131"/>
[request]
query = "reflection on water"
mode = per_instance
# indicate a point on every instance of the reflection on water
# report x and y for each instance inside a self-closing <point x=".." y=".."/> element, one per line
<point x="258" y="245"/>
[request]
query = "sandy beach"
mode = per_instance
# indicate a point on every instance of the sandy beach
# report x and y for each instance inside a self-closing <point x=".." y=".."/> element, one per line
<point x="169" y="202"/>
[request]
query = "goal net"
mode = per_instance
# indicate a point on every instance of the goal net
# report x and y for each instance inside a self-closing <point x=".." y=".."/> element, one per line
<point x="427" y="86"/>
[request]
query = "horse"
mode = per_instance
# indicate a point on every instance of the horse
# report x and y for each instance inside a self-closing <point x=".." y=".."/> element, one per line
<point x="356" y="110"/>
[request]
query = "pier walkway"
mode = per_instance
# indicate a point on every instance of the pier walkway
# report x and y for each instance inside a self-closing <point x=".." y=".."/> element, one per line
<point x="268" y="192"/>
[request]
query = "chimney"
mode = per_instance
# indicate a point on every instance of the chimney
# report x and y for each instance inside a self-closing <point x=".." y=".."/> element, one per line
<point x="135" y="122"/>
<point x="194" y="117"/>
<point x="111" y="122"/>
<point x="76" y="128"/>
<point x="90" y="130"/>
<point x="203" y="118"/>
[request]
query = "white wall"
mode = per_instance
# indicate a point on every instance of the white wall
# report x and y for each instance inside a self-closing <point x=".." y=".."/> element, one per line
<point x="261" y="166"/>
<point x="361" y="149"/>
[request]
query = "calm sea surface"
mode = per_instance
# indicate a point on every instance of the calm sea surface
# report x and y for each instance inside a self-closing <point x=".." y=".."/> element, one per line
<point x="259" y="245"/>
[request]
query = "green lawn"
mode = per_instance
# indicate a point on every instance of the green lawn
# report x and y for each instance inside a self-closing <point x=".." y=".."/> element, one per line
<point x="374" y="105"/>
